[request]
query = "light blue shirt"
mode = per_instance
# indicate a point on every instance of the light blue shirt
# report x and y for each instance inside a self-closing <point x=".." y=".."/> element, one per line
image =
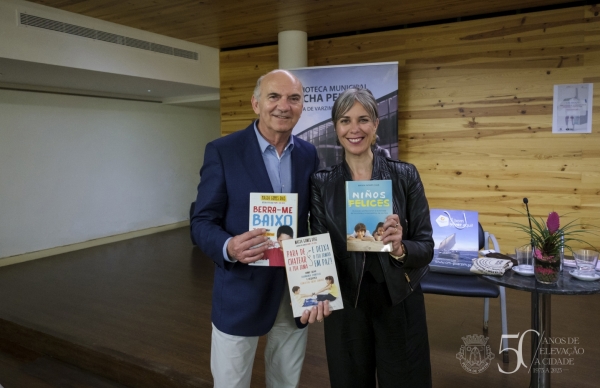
<point x="278" y="167"/>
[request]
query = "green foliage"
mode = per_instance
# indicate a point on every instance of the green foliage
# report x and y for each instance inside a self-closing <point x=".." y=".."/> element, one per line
<point x="550" y="244"/>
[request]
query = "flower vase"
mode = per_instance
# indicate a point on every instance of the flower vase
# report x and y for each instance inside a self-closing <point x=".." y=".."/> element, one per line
<point x="547" y="268"/>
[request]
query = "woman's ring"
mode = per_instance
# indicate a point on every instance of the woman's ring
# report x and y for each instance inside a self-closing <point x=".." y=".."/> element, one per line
<point x="319" y="320"/>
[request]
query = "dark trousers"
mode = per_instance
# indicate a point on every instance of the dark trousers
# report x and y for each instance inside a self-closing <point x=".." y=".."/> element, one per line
<point x="376" y="338"/>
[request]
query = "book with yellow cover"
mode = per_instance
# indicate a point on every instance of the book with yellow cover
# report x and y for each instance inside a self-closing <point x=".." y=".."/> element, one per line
<point x="278" y="213"/>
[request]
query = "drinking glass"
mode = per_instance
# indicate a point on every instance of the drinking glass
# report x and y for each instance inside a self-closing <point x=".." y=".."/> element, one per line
<point x="586" y="261"/>
<point x="525" y="258"/>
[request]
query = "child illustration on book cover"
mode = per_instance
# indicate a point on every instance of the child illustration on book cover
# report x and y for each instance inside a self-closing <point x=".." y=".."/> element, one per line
<point x="311" y="273"/>
<point x="362" y="240"/>
<point x="304" y="300"/>
<point x="275" y="253"/>
<point x="368" y="203"/>
<point x="277" y="213"/>
<point x="331" y="288"/>
<point x="378" y="232"/>
<point x="328" y="292"/>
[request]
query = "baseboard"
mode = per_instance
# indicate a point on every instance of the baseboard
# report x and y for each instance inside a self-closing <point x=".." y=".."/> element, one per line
<point x="88" y="244"/>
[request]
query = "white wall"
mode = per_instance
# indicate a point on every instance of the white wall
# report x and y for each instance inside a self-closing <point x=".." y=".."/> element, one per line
<point x="54" y="48"/>
<point x="79" y="168"/>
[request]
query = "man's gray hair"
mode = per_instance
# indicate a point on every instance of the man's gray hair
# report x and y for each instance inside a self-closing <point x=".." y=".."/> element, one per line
<point x="256" y="92"/>
<point x="347" y="99"/>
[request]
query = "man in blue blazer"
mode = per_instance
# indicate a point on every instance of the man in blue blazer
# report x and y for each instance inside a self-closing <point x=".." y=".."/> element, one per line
<point x="250" y="301"/>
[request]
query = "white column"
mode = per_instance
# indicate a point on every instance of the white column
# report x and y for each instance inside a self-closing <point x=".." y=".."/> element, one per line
<point x="292" y="49"/>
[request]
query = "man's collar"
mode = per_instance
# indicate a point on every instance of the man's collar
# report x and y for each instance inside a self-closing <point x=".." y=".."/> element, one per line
<point x="264" y="144"/>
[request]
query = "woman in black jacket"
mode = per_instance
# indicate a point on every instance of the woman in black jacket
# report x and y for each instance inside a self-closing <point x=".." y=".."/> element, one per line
<point x="382" y="330"/>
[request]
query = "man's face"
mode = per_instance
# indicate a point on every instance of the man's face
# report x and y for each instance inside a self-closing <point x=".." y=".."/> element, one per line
<point x="279" y="105"/>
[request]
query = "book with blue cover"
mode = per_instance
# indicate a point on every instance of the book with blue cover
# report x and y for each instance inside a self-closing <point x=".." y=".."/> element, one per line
<point x="456" y="238"/>
<point x="368" y="203"/>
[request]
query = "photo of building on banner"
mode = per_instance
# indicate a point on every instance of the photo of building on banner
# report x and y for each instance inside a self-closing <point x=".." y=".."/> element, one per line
<point x="322" y="86"/>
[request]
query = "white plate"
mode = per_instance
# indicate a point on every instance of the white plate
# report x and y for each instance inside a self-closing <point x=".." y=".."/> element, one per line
<point x="524" y="270"/>
<point x="588" y="278"/>
<point x="571" y="263"/>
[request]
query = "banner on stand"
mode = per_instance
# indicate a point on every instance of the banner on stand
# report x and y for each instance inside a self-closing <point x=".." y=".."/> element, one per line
<point x="322" y="86"/>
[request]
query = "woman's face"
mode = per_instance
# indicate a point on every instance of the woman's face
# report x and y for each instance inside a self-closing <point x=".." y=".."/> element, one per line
<point x="356" y="131"/>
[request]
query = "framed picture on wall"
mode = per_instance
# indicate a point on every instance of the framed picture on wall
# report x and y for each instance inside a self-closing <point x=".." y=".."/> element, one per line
<point x="572" y="111"/>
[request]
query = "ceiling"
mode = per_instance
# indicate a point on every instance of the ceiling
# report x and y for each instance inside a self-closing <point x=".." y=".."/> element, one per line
<point x="230" y="24"/>
<point x="227" y="24"/>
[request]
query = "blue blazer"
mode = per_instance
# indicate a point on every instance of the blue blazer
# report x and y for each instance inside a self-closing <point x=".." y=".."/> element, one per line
<point x="245" y="298"/>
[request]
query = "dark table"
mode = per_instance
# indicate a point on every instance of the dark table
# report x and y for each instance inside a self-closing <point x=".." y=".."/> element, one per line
<point x="541" y="311"/>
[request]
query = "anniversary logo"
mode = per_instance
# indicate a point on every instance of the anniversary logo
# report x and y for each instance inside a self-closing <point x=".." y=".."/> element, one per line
<point x="554" y="354"/>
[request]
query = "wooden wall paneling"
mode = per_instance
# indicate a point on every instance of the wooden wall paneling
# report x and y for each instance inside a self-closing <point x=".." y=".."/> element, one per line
<point x="555" y="148"/>
<point x="592" y="34"/>
<point x="239" y="71"/>
<point x="475" y="112"/>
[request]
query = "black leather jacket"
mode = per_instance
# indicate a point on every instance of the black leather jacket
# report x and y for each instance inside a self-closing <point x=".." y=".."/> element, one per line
<point x="328" y="214"/>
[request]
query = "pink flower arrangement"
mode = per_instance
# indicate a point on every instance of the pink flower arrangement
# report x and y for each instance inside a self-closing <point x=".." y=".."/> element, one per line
<point x="548" y="240"/>
<point x="538" y="255"/>
<point x="553" y="222"/>
<point x="545" y="271"/>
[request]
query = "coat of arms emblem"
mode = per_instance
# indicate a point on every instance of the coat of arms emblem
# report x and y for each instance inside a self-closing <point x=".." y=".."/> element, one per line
<point x="475" y="355"/>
